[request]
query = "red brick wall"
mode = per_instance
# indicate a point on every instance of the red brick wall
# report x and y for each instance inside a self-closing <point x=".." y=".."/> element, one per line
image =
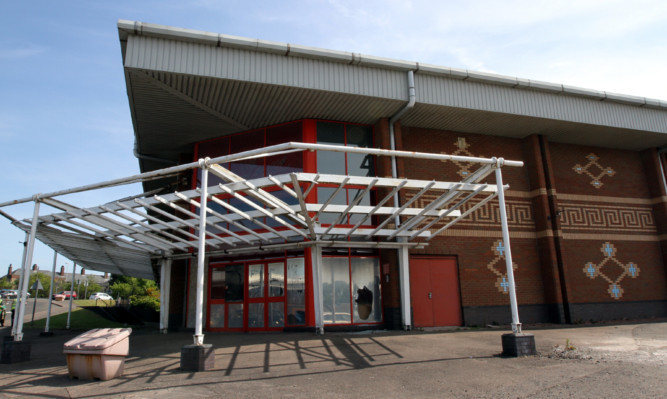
<point x="472" y="240"/>
<point x="619" y="211"/>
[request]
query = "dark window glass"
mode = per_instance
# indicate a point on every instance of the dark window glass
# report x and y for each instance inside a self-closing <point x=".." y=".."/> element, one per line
<point x="323" y="195"/>
<point x="359" y="164"/>
<point x="234" y="277"/>
<point x="218" y="283"/>
<point x="327" y="161"/>
<point x="284" y="163"/>
<point x="251" y="168"/>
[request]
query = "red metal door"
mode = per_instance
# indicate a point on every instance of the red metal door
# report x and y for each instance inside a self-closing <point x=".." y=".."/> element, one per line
<point x="434" y="292"/>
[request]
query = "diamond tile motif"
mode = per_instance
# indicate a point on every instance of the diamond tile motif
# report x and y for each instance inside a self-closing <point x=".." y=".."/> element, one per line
<point x="593" y="270"/>
<point x="592" y="167"/>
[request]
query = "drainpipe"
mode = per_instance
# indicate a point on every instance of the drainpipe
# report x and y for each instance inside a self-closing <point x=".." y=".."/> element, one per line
<point x="661" y="151"/>
<point x="403" y="255"/>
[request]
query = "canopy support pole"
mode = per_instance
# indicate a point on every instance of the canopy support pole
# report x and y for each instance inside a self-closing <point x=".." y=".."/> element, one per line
<point x="18" y="336"/>
<point x="15" y="314"/>
<point x="316" y="258"/>
<point x="201" y="256"/>
<point x="53" y="275"/>
<point x="165" y="285"/>
<point x="71" y="295"/>
<point x="404" y="276"/>
<point x="516" y="325"/>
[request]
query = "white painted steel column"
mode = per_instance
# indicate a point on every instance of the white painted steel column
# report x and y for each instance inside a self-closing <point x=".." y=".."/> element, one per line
<point x="516" y="325"/>
<point x="165" y="284"/>
<point x="71" y="296"/>
<point x="403" y="254"/>
<point x="316" y="260"/>
<point x="53" y="275"/>
<point x="404" y="275"/>
<point x="15" y="314"/>
<point x="201" y="256"/>
<point x="18" y="336"/>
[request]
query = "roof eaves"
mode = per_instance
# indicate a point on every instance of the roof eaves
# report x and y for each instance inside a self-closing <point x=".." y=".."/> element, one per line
<point x="126" y="28"/>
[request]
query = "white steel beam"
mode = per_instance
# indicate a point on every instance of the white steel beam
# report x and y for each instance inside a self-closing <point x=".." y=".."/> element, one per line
<point x="53" y="276"/>
<point x="404" y="277"/>
<point x="23" y="292"/>
<point x="516" y="324"/>
<point x="201" y="261"/>
<point x="316" y="260"/>
<point x="165" y="287"/>
<point x="302" y="204"/>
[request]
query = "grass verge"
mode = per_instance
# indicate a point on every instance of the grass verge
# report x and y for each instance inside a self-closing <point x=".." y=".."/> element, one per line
<point x="87" y="302"/>
<point x="81" y="319"/>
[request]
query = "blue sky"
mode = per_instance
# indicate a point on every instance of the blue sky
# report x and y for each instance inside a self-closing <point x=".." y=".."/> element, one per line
<point x="64" y="114"/>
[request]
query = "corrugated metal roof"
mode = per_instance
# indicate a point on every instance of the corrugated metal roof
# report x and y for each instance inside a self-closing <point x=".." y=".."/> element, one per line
<point x="190" y="86"/>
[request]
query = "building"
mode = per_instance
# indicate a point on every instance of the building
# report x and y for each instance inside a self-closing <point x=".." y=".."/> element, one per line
<point x="586" y="212"/>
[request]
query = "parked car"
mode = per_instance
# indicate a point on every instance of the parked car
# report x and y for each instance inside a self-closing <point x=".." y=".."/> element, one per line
<point x="10" y="294"/>
<point x="64" y="295"/>
<point x="101" y="295"/>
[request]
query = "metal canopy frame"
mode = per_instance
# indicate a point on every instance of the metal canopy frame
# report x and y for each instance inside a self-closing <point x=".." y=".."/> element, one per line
<point x="123" y="236"/>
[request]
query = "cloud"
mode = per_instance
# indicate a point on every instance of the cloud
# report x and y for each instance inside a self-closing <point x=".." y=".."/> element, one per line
<point x="20" y="53"/>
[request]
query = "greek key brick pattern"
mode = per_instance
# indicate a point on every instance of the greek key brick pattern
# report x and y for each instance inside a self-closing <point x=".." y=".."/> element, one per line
<point x="519" y="212"/>
<point x="612" y="218"/>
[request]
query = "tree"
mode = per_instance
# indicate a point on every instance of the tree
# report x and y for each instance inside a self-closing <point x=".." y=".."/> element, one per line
<point x="6" y="283"/>
<point x="138" y="290"/>
<point x="45" y="279"/>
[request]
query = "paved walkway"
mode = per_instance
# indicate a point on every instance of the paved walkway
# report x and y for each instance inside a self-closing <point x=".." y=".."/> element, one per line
<point x="609" y="361"/>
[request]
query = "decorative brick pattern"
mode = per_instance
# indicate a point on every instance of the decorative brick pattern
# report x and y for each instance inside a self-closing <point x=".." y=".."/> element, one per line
<point x="502" y="283"/>
<point x="593" y="167"/>
<point x="593" y="270"/>
<point x="606" y="217"/>
<point x="462" y="149"/>
<point x="519" y="212"/>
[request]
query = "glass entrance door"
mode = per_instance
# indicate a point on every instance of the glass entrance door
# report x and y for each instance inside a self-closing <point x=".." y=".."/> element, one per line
<point x="266" y="295"/>
<point x="226" y="297"/>
<point x="247" y="296"/>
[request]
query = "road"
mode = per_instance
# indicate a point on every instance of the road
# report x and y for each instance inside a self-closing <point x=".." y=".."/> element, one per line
<point x="57" y="307"/>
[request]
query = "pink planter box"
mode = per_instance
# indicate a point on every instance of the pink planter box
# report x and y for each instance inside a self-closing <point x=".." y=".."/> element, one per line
<point x="98" y="353"/>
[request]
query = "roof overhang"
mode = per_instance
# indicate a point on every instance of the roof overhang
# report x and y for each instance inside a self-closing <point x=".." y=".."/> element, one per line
<point x="190" y="85"/>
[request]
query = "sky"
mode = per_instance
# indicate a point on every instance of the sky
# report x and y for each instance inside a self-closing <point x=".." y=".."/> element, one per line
<point x="65" y="118"/>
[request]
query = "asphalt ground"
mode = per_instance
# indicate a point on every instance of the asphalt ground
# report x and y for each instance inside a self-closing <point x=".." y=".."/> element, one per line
<point x="627" y="360"/>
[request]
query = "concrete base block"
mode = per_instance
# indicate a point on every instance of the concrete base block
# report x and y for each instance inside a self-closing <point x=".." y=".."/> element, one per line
<point x="15" y="352"/>
<point x="519" y="345"/>
<point x="197" y="357"/>
<point x="46" y="334"/>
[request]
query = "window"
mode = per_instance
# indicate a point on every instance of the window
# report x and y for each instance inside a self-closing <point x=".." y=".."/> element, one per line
<point x="339" y="163"/>
<point x="351" y="290"/>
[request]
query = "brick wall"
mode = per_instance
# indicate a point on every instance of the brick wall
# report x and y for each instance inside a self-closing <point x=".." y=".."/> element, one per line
<point x="474" y="241"/>
<point x="612" y="247"/>
<point x="585" y="225"/>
